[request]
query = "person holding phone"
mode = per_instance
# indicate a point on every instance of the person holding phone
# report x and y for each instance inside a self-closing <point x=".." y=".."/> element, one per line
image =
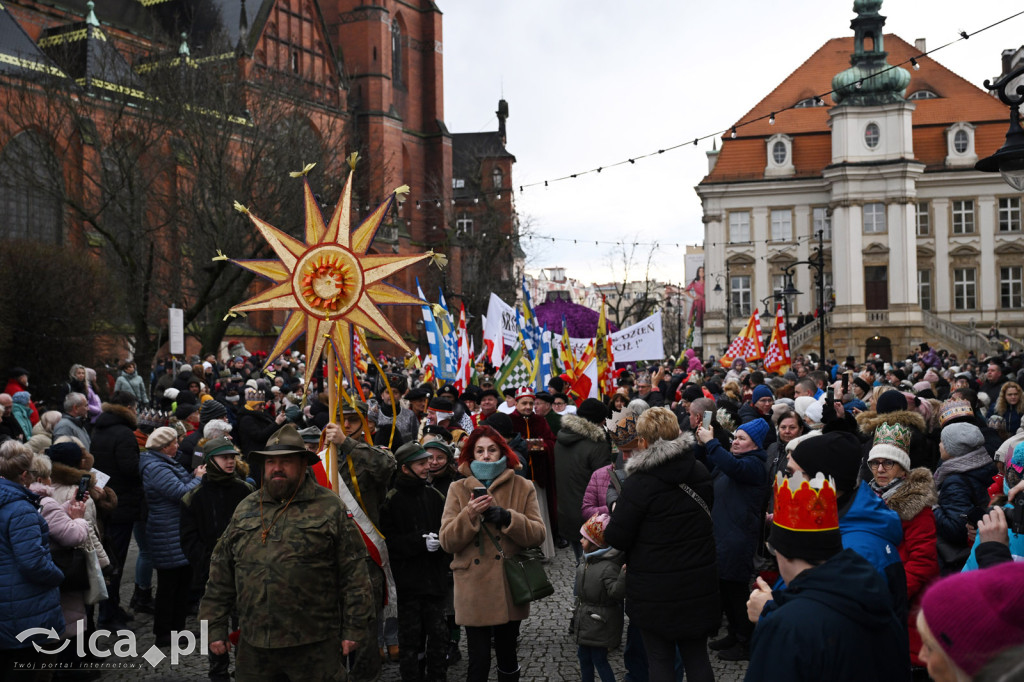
<point x="741" y="488"/>
<point x="491" y="501"/>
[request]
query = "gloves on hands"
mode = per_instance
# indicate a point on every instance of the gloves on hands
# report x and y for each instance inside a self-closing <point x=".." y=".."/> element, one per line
<point x="498" y="516"/>
<point x="433" y="544"/>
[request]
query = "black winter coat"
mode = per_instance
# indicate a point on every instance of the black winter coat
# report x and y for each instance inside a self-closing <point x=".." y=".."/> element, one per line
<point x="205" y="513"/>
<point x="117" y="454"/>
<point x="412" y="509"/>
<point x="668" y="538"/>
<point x="741" y="488"/>
<point x="253" y="430"/>
<point x="958" y="494"/>
<point x="833" y="622"/>
<point x="581" y="448"/>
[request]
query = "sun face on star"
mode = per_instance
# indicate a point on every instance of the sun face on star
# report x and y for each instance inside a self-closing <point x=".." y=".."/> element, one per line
<point x="329" y="282"/>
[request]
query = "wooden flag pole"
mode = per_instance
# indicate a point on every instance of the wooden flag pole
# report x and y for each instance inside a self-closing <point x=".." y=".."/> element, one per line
<point x="332" y="406"/>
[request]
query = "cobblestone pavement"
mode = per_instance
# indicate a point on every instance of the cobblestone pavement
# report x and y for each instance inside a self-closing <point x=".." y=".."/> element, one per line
<point x="546" y="650"/>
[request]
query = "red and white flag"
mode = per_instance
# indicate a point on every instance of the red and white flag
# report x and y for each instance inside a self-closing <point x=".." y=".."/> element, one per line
<point x="777" y="356"/>
<point x="747" y="345"/>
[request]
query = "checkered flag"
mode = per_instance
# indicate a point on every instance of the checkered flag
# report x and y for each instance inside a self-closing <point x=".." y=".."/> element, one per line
<point x="777" y="356"/>
<point x="516" y="369"/>
<point x="748" y="344"/>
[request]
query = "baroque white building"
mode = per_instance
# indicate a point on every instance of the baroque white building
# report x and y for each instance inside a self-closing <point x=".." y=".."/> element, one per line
<point x="879" y="159"/>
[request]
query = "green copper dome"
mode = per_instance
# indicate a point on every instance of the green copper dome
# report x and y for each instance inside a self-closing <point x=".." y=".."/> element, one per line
<point x="870" y="80"/>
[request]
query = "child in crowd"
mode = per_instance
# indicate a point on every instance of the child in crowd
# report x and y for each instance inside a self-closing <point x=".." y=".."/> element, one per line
<point x="600" y="588"/>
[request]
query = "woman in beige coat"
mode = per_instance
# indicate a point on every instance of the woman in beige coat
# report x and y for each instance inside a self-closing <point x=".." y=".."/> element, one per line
<point x="508" y="511"/>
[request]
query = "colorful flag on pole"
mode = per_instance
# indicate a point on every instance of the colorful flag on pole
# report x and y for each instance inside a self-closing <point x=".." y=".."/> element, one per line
<point x="358" y="355"/>
<point x="516" y="369"/>
<point x="544" y="365"/>
<point x="605" y="357"/>
<point x="748" y="344"/>
<point x="532" y="329"/>
<point x="465" y="355"/>
<point x="777" y="358"/>
<point x="566" y="356"/>
<point x="430" y="325"/>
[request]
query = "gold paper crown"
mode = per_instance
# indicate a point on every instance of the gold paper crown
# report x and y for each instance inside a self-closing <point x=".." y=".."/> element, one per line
<point x="953" y="409"/>
<point x="895" y="435"/>
<point x="811" y="507"/>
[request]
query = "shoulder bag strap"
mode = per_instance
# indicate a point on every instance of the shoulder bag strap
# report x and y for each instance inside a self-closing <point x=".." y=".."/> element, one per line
<point x="689" y="491"/>
<point x="483" y="526"/>
<point x="616" y="483"/>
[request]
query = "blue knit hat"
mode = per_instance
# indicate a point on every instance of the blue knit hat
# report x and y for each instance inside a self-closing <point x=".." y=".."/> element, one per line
<point x="757" y="429"/>
<point x="761" y="391"/>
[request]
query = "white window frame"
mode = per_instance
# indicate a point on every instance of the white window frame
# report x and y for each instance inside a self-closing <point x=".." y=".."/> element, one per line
<point x="874" y="218"/>
<point x="965" y="288"/>
<point x="821" y="219"/>
<point x="781" y="225"/>
<point x="1011" y="287"/>
<point x="872" y="135"/>
<point x="924" y="289"/>
<point x="740" y="295"/>
<point x="464" y="223"/>
<point x="1009" y="214"/>
<point x="922" y="219"/>
<point x="774" y="167"/>
<point x="960" y="157"/>
<point x="735" y="223"/>
<point x="963" y="216"/>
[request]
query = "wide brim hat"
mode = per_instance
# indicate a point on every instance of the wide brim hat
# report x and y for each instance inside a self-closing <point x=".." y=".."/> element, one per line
<point x="285" y="441"/>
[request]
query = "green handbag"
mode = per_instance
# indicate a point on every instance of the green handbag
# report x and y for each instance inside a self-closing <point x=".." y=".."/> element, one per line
<point x="524" y="572"/>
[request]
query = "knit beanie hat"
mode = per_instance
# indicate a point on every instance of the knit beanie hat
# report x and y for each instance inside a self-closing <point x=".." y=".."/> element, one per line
<point x="930" y="376"/>
<point x="922" y="386"/>
<point x="185" y="410"/>
<point x="836" y="455"/>
<point x="593" y="410"/>
<point x="975" y="615"/>
<point x="161" y="437"/>
<point x="67" y="453"/>
<point x="890" y="401"/>
<point x="593" y="529"/>
<point x="171" y="393"/>
<point x="864" y="386"/>
<point x="211" y="410"/>
<point x="961" y="438"/>
<point x="761" y="391"/>
<point x="815" y="412"/>
<point x="802" y="403"/>
<point x="757" y="429"/>
<point x="691" y="393"/>
<point x="892" y="441"/>
<point x="955" y="410"/>
<point x="805" y="524"/>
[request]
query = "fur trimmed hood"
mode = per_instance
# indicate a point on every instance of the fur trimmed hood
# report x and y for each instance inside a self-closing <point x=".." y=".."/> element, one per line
<point x="868" y="421"/>
<point x="583" y="427"/>
<point x="660" y="452"/>
<point x="62" y="474"/>
<point x="916" y="493"/>
<point x="125" y="414"/>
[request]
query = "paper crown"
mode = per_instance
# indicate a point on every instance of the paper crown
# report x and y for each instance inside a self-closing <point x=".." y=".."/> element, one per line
<point x="252" y="395"/>
<point x="623" y="429"/>
<point x="810" y="508"/>
<point x="525" y="392"/>
<point x="954" y="409"/>
<point x="895" y="435"/>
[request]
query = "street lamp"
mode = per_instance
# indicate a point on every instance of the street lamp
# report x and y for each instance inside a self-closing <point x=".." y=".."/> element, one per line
<point x="728" y="304"/>
<point x="1009" y="160"/>
<point x="819" y="265"/>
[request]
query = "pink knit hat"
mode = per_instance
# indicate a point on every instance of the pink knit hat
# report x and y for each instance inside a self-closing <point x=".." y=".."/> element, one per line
<point x="975" y="615"/>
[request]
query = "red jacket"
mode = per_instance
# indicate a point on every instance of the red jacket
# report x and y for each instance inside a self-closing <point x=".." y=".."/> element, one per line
<point x="13" y="387"/>
<point x="913" y="502"/>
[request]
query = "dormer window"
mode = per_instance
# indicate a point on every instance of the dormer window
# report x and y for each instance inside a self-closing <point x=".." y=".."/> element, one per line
<point x="780" y="156"/>
<point x="809" y="102"/>
<point x="922" y="94"/>
<point x="960" y="145"/>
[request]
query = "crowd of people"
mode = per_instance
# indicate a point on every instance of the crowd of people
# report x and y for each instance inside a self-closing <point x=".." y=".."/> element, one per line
<point x="843" y="520"/>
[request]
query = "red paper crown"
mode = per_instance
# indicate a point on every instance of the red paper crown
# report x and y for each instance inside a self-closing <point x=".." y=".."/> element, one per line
<point x="811" y="508"/>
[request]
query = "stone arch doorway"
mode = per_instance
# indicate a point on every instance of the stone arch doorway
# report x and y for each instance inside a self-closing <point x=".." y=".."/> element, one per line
<point x="880" y="345"/>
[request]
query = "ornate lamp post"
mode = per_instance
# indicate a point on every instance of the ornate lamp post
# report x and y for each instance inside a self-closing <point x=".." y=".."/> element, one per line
<point x="1009" y="160"/>
<point x="728" y="304"/>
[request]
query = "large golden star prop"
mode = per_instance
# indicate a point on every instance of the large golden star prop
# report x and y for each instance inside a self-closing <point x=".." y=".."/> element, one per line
<point x="329" y="282"/>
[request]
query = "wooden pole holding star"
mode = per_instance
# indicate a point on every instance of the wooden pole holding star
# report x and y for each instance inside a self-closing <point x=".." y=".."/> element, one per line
<point x="329" y="283"/>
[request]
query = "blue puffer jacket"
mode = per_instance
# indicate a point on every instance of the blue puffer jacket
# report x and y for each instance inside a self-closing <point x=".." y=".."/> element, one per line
<point x="29" y="581"/>
<point x="165" y="482"/>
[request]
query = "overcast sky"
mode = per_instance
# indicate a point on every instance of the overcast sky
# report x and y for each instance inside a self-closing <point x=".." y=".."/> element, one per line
<point x="590" y="83"/>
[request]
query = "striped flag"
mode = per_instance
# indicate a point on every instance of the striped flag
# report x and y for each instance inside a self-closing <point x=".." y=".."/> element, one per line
<point x="566" y="357"/>
<point x="605" y="356"/>
<point x="544" y="365"/>
<point x="777" y="356"/>
<point x="748" y="344"/>
<point x="465" y="368"/>
<point x="430" y="325"/>
<point x="531" y="327"/>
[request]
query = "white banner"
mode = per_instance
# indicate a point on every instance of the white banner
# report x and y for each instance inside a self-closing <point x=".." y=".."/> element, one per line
<point x="641" y="341"/>
<point x="176" y="330"/>
<point x="500" y="327"/>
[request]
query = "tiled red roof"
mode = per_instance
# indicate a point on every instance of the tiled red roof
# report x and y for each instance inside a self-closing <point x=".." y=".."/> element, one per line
<point x="744" y="157"/>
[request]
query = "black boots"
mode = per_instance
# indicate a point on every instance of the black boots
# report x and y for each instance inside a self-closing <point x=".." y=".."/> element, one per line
<point x="142" y="600"/>
<point x="509" y="677"/>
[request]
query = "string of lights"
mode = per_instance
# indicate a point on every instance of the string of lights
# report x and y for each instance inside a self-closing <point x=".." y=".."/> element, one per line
<point x="598" y="242"/>
<point x="733" y="131"/>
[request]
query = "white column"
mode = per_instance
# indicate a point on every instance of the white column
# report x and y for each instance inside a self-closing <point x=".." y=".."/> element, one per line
<point x="902" y="253"/>
<point x="759" y="233"/>
<point x="941" y="288"/>
<point x="988" y="276"/>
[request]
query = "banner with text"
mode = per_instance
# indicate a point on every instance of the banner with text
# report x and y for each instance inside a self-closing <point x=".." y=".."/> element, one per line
<point x="641" y="341"/>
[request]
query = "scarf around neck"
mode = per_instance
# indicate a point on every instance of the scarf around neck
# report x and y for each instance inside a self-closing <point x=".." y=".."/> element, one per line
<point x="958" y="465"/>
<point x="887" y="491"/>
<point x="486" y="472"/>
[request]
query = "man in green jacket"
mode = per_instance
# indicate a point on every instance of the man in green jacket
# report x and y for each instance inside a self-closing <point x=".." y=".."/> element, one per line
<point x="294" y="564"/>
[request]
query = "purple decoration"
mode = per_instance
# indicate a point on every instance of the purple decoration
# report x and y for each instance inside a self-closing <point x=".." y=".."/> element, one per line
<point x="582" y="321"/>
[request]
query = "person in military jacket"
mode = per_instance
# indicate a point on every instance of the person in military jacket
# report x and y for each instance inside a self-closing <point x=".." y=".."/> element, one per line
<point x="293" y="563"/>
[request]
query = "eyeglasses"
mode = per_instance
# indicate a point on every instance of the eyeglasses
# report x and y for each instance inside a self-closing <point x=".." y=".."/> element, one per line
<point x="881" y="464"/>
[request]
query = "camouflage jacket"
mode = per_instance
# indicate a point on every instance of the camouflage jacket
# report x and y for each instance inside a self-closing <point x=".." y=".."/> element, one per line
<point x="374" y="468"/>
<point x="307" y="583"/>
